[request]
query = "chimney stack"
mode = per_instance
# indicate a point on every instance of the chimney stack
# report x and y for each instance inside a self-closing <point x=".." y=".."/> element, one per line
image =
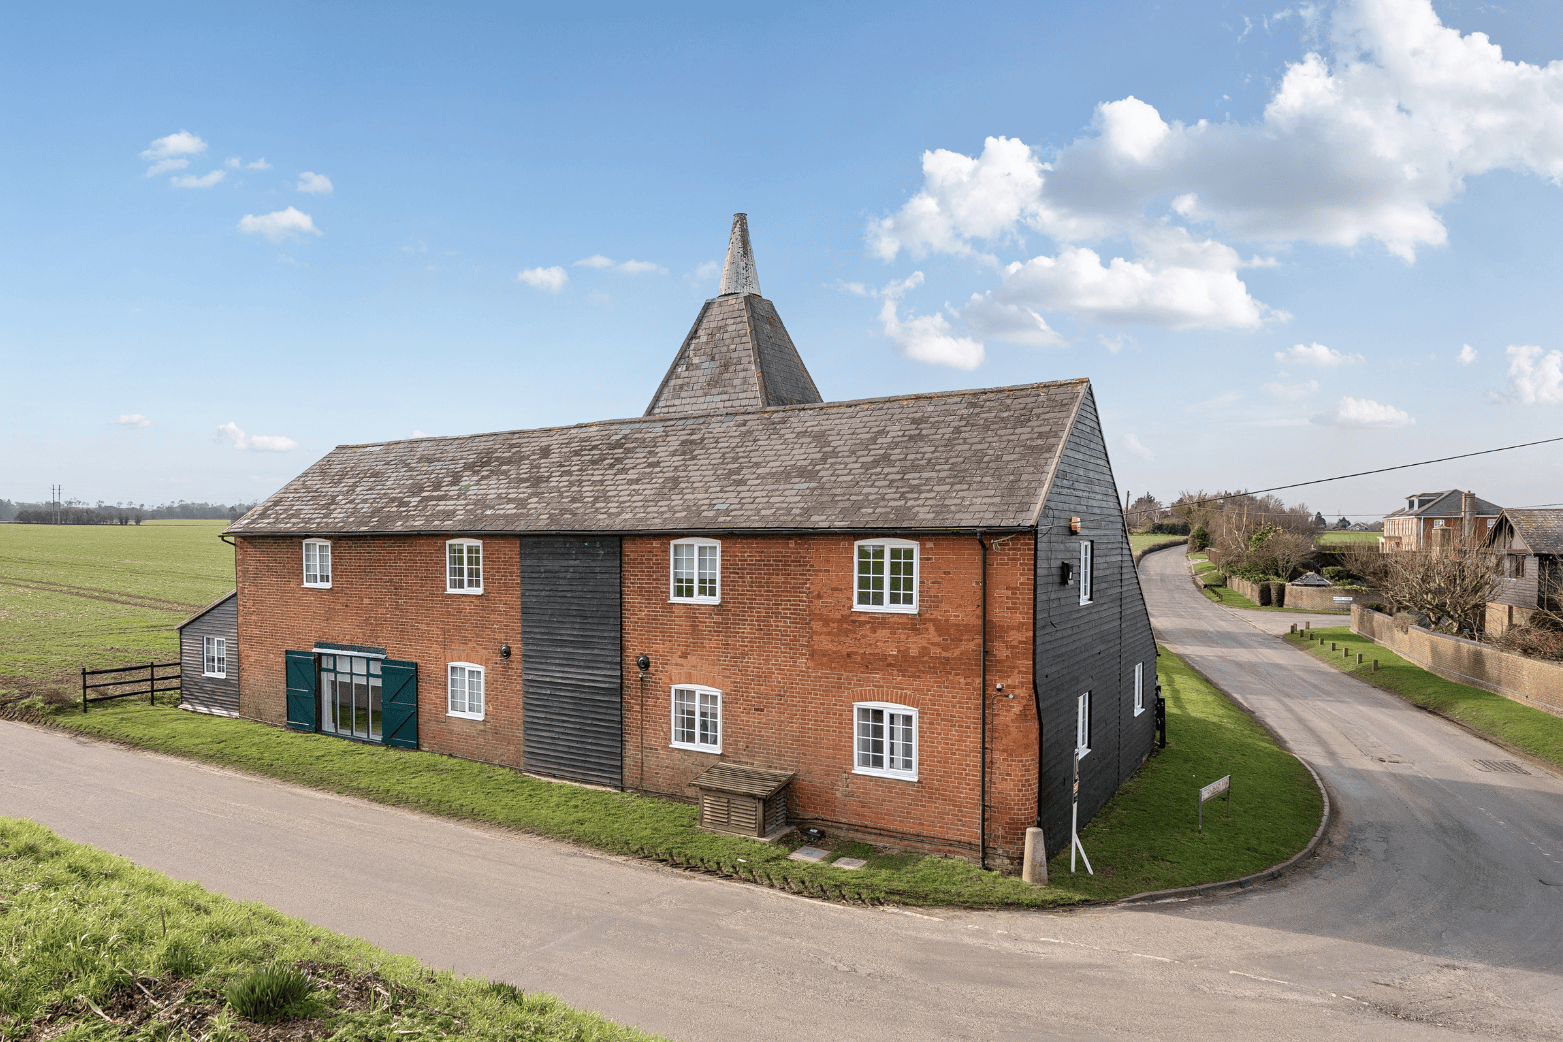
<point x="1468" y="515"/>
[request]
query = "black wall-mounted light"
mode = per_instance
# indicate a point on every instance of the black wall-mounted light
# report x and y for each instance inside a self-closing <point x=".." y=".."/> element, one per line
<point x="1066" y="572"/>
<point x="643" y="663"/>
<point x="504" y="651"/>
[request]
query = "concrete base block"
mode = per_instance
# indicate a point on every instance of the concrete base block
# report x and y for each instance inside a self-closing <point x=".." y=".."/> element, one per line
<point x="1034" y="870"/>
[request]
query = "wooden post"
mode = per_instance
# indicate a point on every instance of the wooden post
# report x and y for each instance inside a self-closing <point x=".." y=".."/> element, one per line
<point x="83" y="689"/>
<point x="151" y="683"/>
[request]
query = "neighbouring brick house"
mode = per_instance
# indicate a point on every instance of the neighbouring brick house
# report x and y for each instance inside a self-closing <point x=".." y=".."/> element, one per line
<point x="917" y="607"/>
<point x="1437" y="519"/>
<point x="1531" y="542"/>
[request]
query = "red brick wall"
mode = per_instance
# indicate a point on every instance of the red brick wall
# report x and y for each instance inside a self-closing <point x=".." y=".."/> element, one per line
<point x="790" y="657"/>
<point x="388" y="591"/>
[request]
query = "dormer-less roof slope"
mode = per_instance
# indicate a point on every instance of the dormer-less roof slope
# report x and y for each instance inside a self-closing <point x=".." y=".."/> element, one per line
<point x="737" y="354"/>
<point x="957" y="460"/>
<point x="1447" y="504"/>
<point x="1540" y="530"/>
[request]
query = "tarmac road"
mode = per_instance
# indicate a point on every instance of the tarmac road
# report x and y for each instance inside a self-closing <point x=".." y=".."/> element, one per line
<point x="1429" y="914"/>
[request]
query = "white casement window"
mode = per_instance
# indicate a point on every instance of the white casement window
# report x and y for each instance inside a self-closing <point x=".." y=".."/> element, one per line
<point x="884" y="740"/>
<point x="464" y="690"/>
<point x="1139" y="688"/>
<point x="216" y="655"/>
<point x="464" y="566"/>
<point x="1085" y="571"/>
<point x="697" y="718"/>
<point x="696" y="571"/>
<point x="886" y="575"/>
<point x="1083" y="725"/>
<point x="317" y="564"/>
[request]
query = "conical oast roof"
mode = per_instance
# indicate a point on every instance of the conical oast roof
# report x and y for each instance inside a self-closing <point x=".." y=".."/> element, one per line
<point x="738" y="354"/>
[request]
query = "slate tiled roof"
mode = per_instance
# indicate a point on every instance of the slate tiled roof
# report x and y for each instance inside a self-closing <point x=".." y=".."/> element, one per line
<point x="1542" y="530"/>
<point x="737" y="356"/>
<point x="1446" y="505"/>
<point x="963" y="459"/>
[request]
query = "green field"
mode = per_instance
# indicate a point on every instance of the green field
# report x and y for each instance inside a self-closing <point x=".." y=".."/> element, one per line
<point x="1336" y="538"/>
<point x="102" y="595"/>
<point x="1138" y="541"/>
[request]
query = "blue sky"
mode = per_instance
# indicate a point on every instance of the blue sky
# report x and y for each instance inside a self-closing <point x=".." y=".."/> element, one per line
<point x="240" y="236"/>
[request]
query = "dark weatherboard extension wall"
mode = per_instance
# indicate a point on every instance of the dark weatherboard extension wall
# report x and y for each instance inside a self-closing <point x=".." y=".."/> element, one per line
<point x="199" y="688"/>
<point x="1092" y="647"/>
<point x="571" y="682"/>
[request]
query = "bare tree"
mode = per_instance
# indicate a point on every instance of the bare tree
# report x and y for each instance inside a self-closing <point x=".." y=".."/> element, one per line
<point x="1453" y="583"/>
<point x="1144" y="512"/>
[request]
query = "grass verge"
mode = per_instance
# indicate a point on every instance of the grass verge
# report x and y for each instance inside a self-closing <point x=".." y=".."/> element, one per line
<point x="1141" y="542"/>
<point x="1144" y="838"/>
<point x="1510" y="723"/>
<point x="1339" y="538"/>
<point x="96" y="947"/>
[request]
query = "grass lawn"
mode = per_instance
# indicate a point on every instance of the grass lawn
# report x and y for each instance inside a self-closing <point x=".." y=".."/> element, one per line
<point x="102" y="595"/>
<point x="86" y="937"/>
<point x="1138" y="542"/>
<point x="1203" y="565"/>
<point x="1143" y="840"/>
<point x="1512" y="723"/>
<point x="1337" y="538"/>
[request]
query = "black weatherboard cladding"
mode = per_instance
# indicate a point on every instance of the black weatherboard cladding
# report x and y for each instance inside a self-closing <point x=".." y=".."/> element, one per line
<point x="572" y="718"/>
<point x="213" y="694"/>
<point x="1092" y="647"/>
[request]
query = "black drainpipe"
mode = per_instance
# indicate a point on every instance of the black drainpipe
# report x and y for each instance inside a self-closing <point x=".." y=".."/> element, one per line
<point x="982" y="655"/>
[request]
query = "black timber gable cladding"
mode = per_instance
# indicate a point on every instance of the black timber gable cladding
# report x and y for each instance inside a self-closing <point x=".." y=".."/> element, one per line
<point x="197" y="690"/>
<point x="1094" y="647"/>
<point x="571" y="674"/>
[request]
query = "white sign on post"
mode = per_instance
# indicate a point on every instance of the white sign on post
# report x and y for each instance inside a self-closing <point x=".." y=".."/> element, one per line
<point x="1210" y="792"/>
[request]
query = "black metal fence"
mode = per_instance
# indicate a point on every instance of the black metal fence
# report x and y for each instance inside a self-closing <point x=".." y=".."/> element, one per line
<point x="144" y="681"/>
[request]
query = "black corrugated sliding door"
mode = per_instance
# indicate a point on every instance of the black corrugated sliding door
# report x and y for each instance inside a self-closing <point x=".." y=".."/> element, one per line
<point x="572" y="714"/>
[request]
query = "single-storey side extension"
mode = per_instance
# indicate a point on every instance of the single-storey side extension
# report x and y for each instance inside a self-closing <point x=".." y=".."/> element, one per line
<point x="209" y="658"/>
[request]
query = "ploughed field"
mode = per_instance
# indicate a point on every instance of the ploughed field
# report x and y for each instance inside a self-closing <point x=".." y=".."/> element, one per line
<point x="101" y="596"/>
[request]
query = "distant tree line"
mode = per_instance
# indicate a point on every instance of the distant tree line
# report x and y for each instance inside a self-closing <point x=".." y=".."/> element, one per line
<point x="75" y="512"/>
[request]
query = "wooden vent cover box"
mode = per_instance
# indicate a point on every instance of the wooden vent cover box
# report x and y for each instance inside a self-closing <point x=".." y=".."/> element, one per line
<point x="747" y="801"/>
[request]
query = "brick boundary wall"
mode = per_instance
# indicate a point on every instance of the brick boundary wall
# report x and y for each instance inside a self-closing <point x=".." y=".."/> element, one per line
<point x="1515" y="677"/>
<point x="1310" y="598"/>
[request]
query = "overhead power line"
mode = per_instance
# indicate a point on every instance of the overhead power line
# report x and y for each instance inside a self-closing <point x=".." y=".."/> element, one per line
<point x="1381" y="470"/>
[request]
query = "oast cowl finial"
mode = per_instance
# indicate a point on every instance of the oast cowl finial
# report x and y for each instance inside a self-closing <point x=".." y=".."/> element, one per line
<point x="738" y="274"/>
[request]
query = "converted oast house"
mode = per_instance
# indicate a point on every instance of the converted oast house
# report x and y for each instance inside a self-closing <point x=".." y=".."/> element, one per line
<point x="896" y="619"/>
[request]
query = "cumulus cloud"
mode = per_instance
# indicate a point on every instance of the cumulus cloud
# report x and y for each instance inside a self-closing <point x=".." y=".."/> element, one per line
<point x="204" y="181"/>
<point x="317" y="184"/>
<point x="550" y="280"/>
<point x="1534" y="377"/>
<point x="1467" y="354"/>
<point x="420" y="434"/>
<point x="134" y="419"/>
<point x="1364" y="412"/>
<point x="635" y="267"/>
<point x="629" y="267"/>
<point x="596" y="260"/>
<point x="710" y="271"/>
<point x="231" y="433"/>
<point x="1134" y="445"/>
<point x="926" y="338"/>
<point x="1291" y="392"/>
<point x="172" y="152"/>
<point x="279" y="224"/>
<point x="1364" y="139"/>
<point x="259" y="164"/>
<point x="1315" y="354"/>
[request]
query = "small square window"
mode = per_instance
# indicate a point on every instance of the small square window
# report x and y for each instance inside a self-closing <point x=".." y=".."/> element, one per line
<point x="885" y="573"/>
<point x="884" y="740"/>
<point x="464" y="690"/>
<point x="317" y="564"/>
<point x="215" y="654"/>
<point x="464" y="566"/>
<point x="696" y="571"/>
<point x="697" y="719"/>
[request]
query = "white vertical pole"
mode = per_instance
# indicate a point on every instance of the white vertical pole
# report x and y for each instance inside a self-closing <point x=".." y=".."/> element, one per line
<point x="1074" y="840"/>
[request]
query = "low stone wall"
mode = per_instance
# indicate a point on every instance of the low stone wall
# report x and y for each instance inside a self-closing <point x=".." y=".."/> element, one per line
<point x="1262" y="594"/>
<point x="1530" y="681"/>
<point x="1318" y="598"/>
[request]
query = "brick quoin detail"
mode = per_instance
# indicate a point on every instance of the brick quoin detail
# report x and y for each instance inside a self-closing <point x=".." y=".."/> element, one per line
<point x="790" y="657"/>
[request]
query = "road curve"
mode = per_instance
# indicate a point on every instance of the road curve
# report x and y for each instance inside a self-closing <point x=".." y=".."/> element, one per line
<point x="1416" y="923"/>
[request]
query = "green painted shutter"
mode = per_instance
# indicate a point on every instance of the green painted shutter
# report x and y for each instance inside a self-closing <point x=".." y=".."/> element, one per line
<point x="301" y="690"/>
<point x="399" y="682"/>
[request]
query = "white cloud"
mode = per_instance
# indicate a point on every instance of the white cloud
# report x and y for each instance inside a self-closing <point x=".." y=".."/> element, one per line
<point x="1467" y="354"/>
<point x="1365" y="139"/>
<point x="420" y="434"/>
<point x="710" y="271"/>
<point x="635" y="267"/>
<point x="204" y="181"/>
<point x="167" y="152"/>
<point x="317" y="184"/>
<point x="926" y="338"/>
<point x="259" y="164"/>
<point x="231" y="433"/>
<point x="232" y="162"/>
<point x="596" y="260"/>
<point x="134" y="419"/>
<point x="1315" y="354"/>
<point x="162" y="166"/>
<point x="1535" y="377"/>
<point x="631" y="267"/>
<point x="279" y="224"/>
<point x="1137" y="448"/>
<point x="857" y="289"/>
<point x="551" y="280"/>
<point x="1291" y="392"/>
<point x="1364" y="412"/>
